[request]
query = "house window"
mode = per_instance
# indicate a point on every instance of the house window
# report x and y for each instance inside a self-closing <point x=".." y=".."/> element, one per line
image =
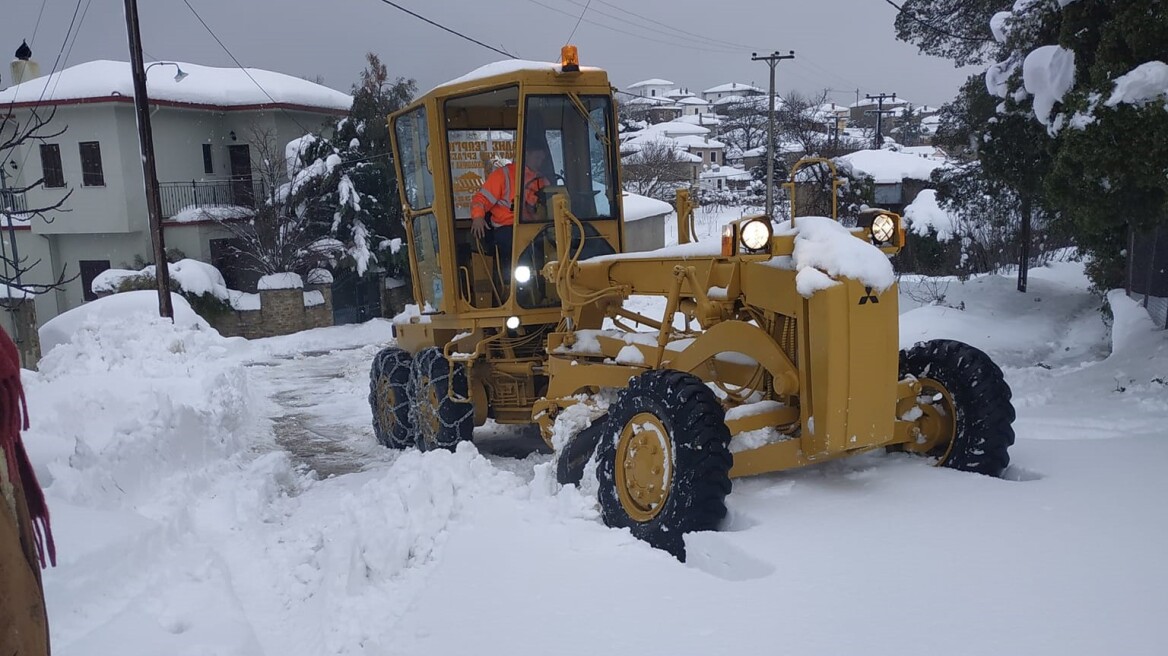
<point x="208" y="164"/>
<point x="714" y="156"/>
<point x="89" y="271"/>
<point x="652" y="92"/>
<point x="91" y="174"/>
<point x="51" y="169"/>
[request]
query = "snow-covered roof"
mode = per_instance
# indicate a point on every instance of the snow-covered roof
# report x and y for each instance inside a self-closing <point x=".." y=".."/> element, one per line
<point x="887" y="102"/>
<point x="672" y="129"/>
<point x="699" y="119"/>
<point x="509" y="66"/>
<point x="726" y="100"/>
<point x="784" y="147"/>
<point x="648" y="100"/>
<point x="639" y="207"/>
<point x="654" y="82"/>
<point x="203" y="85"/>
<point x="679" y="93"/>
<point x="697" y="141"/>
<point x="692" y="100"/>
<point x="725" y="172"/>
<point x="886" y="166"/>
<point x="733" y="86"/>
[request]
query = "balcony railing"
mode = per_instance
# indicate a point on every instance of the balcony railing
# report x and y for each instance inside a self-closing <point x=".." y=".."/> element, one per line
<point x="190" y="197"/>
<point x="11" y="201"/>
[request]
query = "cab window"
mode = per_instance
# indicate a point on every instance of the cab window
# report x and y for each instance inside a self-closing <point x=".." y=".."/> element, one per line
<point x="413" y="141"/>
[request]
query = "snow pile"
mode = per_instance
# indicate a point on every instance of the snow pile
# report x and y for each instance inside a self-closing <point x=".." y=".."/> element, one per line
<point x="203" y="85"/>
<point x="127" y="402"/>
<point x="1145" y="83"/>
<point x="1048" y="73"/>
<point x="824" y="249"/>
<point x="10" y="291"/>
<point x="925" y="213"/>
<point x="320" y="277"/>
<point x="136" y="306"/>
<point x="887" y="167"/>
<point x="243" y="301"/>
<point x="281" y="281"/>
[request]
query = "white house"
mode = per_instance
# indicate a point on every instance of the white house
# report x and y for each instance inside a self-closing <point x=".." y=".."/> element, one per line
<point x="205" y="127"/>
<point x="731" y="89"/>
<point x="652" y="88"/>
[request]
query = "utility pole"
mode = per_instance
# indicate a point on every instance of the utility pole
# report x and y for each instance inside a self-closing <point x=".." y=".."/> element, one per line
<point x="149" y="173"/>
<point x="772" y="60"/>
<point x="880" y="112"/>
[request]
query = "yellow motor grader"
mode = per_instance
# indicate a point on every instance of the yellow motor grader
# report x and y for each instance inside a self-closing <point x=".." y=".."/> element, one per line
<point x="773" y="347"/>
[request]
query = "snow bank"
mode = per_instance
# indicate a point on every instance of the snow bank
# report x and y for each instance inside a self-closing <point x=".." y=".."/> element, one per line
<point x="281" y="281"/>
<point x="924" y="213"/>
<point x="157" y="401"/>
<point x="137" y="306"/>
<point x="825" y="248"/>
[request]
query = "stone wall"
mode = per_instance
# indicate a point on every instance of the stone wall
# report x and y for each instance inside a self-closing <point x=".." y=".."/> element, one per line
<point x="282" y="312"/>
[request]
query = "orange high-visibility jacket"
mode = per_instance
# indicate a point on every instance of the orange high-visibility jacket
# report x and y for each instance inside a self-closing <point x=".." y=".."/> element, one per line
<point x="495" y="196"/>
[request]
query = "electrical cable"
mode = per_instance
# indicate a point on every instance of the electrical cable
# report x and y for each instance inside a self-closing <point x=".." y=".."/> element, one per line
<point x="447" y="29"/>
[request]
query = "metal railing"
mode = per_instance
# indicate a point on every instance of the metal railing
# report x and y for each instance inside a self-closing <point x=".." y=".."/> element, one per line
<point x="14" y="202"/>
<point x="177" y="197"/>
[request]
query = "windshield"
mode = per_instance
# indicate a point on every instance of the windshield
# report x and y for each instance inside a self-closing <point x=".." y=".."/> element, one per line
<point x="568" y="144"/>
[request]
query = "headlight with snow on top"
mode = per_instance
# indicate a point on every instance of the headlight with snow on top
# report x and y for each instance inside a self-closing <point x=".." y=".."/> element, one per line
<point x="883" y="228"/>
<point x="756" y="235"/>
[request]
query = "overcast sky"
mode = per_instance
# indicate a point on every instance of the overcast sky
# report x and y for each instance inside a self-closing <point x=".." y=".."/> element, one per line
<point x="839" y="44"/>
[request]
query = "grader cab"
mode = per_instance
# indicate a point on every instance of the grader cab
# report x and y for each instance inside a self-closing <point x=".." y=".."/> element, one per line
<point x="772" y="348"/>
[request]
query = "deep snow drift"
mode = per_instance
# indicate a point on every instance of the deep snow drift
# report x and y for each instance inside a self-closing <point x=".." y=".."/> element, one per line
<point x="187" y="478"/>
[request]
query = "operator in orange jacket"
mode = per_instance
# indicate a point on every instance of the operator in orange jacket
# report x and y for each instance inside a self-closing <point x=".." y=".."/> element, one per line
<point x="493" y="201"/>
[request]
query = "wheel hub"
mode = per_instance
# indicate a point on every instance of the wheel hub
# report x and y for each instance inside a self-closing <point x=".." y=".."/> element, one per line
<point x="644" y="466"/>
<point x="386" y="402"/>
<point x="937" y="424"/>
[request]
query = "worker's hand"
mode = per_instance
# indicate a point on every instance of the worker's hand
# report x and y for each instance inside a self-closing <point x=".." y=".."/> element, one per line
<point x="478" y="226"/>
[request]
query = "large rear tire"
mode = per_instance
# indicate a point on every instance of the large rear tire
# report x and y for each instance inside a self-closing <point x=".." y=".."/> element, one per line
<point x="966" y="413"/>
<point x="439" y="421"/>
<point x="388" y="398"/>
<point x="664" y="460"/>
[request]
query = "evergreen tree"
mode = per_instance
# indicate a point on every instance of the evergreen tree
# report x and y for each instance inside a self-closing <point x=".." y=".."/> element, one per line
<point x="346" y="185"/>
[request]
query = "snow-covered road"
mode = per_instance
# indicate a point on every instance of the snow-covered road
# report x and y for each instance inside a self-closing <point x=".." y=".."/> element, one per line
<point x="217" y="496"/>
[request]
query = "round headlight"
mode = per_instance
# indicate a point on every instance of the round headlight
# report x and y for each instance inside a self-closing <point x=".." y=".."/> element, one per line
<point x="512" y="323"/>
<point x="883" y="228"/>
<point x="522" y="274"/>
<point x="756" y="235"/>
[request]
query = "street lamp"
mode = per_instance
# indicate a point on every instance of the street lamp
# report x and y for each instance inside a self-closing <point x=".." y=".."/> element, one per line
<point x="178" y="77"/>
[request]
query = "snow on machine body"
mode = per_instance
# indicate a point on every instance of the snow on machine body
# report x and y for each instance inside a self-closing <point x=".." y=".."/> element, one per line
<point x="777" y="346"/>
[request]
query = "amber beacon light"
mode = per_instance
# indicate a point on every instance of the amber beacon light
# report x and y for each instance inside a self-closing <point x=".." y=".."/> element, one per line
<point x="570" y="59"/>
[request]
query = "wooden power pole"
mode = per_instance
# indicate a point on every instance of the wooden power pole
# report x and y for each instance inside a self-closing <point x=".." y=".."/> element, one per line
<point x="880" y="112"/>
<point x="772" y="60"/>
<point x="149" y="172"/>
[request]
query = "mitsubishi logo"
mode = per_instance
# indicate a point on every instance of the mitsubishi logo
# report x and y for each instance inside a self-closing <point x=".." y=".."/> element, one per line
<point x="868" y="296"/>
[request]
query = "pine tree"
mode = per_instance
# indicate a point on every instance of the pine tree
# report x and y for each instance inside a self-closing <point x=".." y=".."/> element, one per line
<point x="345" y="184"/>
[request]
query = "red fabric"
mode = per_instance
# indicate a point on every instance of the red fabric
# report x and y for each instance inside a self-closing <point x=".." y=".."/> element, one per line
<point x="14" y="419"/>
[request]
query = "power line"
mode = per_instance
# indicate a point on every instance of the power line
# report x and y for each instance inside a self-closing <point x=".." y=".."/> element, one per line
<point x="447" y="29"/>
<point x="633" y="34"/>
<point x="680" y="32"/>
<point x="37" y="27"/>
<point x="242" y="68"/>
<point x="578" y="21"/>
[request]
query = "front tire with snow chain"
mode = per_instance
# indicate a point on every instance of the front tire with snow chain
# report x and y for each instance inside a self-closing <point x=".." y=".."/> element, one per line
<point x="966" y="413"/>
<point x="388" y="398"/>
<point x="664" y="460"/>
<point x="439" y="421"/>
